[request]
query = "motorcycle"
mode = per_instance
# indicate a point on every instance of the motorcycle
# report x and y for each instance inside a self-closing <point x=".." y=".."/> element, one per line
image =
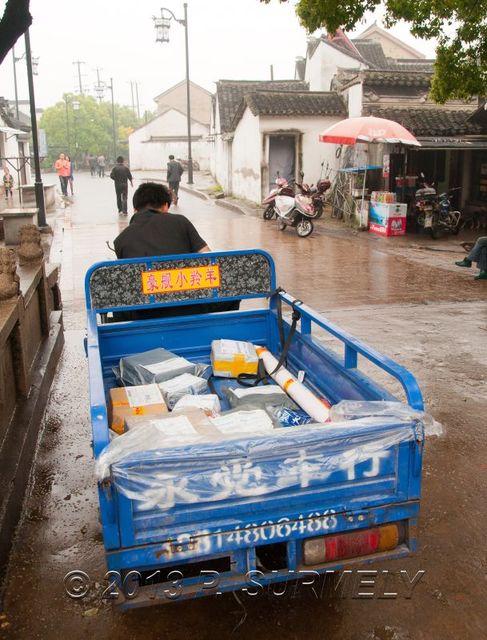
<point x="282" y="188"/>
<point x="434" y="213"/>
<point x="298" y="212"/>
<point x="426" y="202"/>
<point x="444" y="217"/>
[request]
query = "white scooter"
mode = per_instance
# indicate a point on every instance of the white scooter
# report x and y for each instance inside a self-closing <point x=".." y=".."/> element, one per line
<point x="296" y="212"/>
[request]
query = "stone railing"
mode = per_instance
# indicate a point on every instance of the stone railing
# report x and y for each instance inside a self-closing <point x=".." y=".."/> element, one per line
<point x="31" y="341"/>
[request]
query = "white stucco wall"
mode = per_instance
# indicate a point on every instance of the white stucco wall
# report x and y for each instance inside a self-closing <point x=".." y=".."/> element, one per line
<point x="220" y="149"/>
<point x="145" y="153"/>
<point x="322" y="66"/>
<point x="248" y="155"/>
<point x="314" y="152"/>
<point x="354" y="98"/>
<point x="246" y="158"/>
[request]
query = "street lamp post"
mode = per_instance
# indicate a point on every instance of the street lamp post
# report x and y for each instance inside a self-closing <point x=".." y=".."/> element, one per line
<point x="76" y="106"/>
<point x="35" y="64"/>
<point x="39" y="189"/>
<point x="162" y="26"/>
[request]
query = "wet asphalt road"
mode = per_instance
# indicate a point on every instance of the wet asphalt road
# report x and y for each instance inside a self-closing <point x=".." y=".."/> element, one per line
<point x="401" y="298"/>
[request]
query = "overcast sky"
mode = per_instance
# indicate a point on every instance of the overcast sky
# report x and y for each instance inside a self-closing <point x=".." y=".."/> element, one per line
<point x="236" y="39"/>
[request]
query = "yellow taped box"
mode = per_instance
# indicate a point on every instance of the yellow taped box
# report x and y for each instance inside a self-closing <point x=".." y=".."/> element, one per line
<point x="230" y="358"/>
<point x="141" y="400"/>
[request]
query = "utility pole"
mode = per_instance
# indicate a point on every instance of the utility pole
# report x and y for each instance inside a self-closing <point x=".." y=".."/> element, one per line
<point x="114" y="130"/>
<point x="79" y="63"/>
<point x="188" y="95"/>
<point x="137" y="98"/>
<point x="132" y="92"/>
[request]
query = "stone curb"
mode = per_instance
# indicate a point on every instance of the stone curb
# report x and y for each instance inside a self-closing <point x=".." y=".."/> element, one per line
<point x="231" y="206"/>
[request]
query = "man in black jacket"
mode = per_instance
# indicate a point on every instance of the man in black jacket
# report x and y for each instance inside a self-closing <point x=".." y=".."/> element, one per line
<point x="153" y="231"/>
<point x="121" y="176"/>
<point x="174" y="173"/>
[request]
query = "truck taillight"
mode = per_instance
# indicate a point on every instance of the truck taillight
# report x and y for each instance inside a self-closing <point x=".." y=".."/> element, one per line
<point x="351" y="545"/>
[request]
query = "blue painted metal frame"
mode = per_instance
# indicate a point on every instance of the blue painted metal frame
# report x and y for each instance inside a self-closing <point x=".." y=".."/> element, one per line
<point x="395" y="496"/>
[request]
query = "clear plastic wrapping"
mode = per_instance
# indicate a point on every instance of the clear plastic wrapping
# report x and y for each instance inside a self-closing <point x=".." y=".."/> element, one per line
<point x="161" y="468"/>
<point x="353" y="409"/>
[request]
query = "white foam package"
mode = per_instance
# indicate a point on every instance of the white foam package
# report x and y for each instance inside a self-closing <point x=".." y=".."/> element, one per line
<point x="180" y="386"/>
<point x="209" y="402"/>
<point x="247" y="422"/>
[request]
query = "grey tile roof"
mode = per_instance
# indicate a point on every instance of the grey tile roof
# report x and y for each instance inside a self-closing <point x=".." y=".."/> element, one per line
<point x="411" y="65"/>
<point x="430" y="121"/>
<point x="373" y="53"/>
<point x="396" y="78"/>
<point x="6" y="111"/>
<point x="231" y="92"/>
<point x="294" y="103"/>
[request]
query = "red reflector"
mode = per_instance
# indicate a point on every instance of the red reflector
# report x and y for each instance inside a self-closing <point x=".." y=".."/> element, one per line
<point x="350" y="545"/>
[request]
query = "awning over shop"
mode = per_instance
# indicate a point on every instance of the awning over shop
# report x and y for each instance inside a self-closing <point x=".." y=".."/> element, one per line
<point x="452" y="143"/>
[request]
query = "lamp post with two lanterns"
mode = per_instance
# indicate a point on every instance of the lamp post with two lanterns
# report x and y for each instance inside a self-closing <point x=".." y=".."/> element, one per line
<point x="162" y="26"/>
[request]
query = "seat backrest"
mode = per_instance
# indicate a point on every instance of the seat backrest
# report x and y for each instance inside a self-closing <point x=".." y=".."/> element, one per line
<point x="159" y="281"/>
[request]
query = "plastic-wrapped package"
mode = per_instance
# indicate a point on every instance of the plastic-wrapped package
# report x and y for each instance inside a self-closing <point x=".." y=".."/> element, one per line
<point x="161" y="471"/>
<point x="209" y="402"/>
<point x="230" y="358"/>
<point x="243" y="422"/>
<point x="185" y="384"/>
<point x="258" y="397"/>
<point x="353" y="409"/>
<point x="156" y="365"/>
<point x="282" y="416"/>
<point x="197" y="418"/>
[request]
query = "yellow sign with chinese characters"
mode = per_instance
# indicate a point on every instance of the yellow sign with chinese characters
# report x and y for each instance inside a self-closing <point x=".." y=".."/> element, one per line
<point x="188" y="279"/>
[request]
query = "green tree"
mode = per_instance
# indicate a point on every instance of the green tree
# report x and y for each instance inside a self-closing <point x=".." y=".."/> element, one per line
<point x="87" y="130"/>
<point x="460" y="27"/>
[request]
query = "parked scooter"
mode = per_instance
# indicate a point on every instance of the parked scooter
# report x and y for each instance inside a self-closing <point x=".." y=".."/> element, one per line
<point x="283" y="189"/>
<point x="297" y="212"/>
<point x="317" y="194"/>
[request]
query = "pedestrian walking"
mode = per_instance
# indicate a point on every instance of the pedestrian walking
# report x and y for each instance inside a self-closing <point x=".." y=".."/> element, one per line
<point x="62" y="167"/>
<point x="70" y="177"/>
<point x="478" y="254"/>
<point x="92" y="165"/>
<point x="121" y="176"/>
<point x="8" y="183"/>
<point x="100" y="163"/>
<point x="174" y="173"/>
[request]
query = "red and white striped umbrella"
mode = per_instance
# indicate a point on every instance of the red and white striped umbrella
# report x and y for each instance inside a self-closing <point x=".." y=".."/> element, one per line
<point x="368" y="129"/>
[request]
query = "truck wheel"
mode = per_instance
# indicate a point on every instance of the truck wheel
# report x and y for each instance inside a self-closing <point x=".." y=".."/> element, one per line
<point x="269" y="212"/>
<point x="281" y="224"/>
<point x="304" y="228"/>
